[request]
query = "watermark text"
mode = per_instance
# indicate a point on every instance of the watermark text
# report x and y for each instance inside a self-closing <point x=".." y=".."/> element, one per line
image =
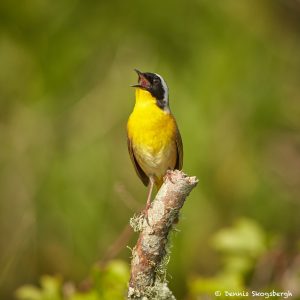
<point x="257" y="294"/>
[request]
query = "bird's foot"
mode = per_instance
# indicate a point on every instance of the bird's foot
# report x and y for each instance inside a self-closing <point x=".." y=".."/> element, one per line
<point x="168" y="176"/>
<point x="144" y="213"/>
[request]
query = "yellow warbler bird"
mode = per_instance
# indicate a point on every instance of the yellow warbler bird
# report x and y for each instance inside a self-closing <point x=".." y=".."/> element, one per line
<point x="154" y="141"/>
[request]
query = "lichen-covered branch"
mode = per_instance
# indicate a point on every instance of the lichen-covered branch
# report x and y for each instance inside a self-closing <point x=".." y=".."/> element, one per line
<point x="150" y="254"/>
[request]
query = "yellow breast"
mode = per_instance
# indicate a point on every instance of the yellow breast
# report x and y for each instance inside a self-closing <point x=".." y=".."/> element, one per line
<point x="152" y="132"/>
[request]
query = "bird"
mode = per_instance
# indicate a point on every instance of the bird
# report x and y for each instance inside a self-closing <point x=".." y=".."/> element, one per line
<point x="153" y="138"/>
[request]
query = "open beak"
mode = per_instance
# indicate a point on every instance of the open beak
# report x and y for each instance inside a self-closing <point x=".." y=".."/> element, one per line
<point x="143" y="82"/>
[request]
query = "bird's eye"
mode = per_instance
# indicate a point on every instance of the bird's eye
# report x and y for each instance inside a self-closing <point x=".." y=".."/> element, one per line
<point x="155" y="80"/>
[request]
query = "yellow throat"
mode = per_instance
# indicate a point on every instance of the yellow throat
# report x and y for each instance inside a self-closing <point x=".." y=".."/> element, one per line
<point x="152" y="131"/>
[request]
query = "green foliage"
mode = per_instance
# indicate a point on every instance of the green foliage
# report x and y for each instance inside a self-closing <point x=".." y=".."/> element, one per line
<point x="109" y="282"/>
<point x="245" y="239"/>
<point x="50" y="289"/>
<point x="112" y="282"/>
<point x="240" y="246"/>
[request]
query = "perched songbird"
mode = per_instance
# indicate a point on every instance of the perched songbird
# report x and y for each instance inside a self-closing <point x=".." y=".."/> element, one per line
<point x="154" y="141"/>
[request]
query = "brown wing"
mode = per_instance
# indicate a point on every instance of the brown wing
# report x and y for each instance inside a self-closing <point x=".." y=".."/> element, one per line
<point x="136" y="165"/>
<point x="179" y="160"/>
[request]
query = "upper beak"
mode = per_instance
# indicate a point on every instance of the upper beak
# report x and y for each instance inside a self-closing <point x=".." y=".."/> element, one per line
<point x="138" y="72"/>
<point x="142" y="80"/>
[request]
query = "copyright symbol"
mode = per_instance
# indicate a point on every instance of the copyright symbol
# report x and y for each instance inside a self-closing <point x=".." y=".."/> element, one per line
<point x="218" y="293"/>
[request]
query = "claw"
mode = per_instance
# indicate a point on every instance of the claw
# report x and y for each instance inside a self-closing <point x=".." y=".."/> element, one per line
<point x="144" y="213"/>
<point x="168" y="176"/>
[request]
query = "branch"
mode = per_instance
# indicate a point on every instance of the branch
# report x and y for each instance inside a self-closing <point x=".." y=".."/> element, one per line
<point x="150" y="255"/>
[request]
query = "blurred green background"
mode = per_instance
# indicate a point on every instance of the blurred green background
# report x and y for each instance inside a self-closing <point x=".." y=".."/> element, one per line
<point x="67" y="186"/>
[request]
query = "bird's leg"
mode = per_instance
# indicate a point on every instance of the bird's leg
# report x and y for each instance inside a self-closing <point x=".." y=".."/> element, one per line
<point x="150" y="189"/>
<point x="148" y="204"/>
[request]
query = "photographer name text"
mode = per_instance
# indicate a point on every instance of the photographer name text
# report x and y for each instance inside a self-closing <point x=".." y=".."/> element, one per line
<point x="265" y="295"/>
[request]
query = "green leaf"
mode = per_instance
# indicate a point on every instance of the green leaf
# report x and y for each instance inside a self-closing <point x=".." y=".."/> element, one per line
<point x="50" y="290"/>
<point x="28" y="292"/>
<point x="111" y="281"/>
<point x="244" y="238"/>
<point x="92" y="295"/>
<point x="51" y="287"/>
